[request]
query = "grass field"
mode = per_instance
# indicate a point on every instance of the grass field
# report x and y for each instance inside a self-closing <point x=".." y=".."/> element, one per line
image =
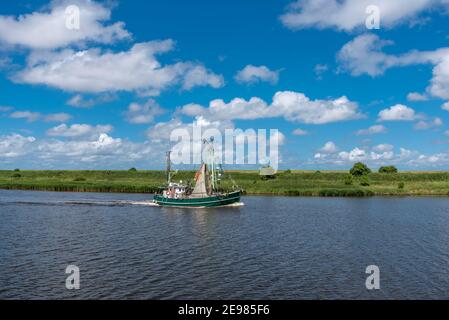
<point x="295" y="183"/>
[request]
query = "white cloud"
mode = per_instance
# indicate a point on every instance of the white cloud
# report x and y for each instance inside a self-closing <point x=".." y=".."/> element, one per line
<point x="300" y="132"/>
<point x="15" y="145"/>
<point x="297" y="107"/>
<point x="98" y="151"/>
<point x="319" y="70"/>
<point x="98" y="71"/>
<point x="57" y="117"/>
<point x="348" y="15"/>
<point x="78" y="130"/>
<point x="194" y="75"/>
<point x="28" y="115"/>
<point x="364" y="55"/>
<point x="372" y="130"/>
<point x="397" y="112"/>
<point x="424" y="125"/>
<point x="79" y="101"/>
<point x="253" y="74"/>
<point x="143" y="113"/>
<point x="293" y="106"/>
<point x="416" y="97"/>
<point x="445" y="106"/>
<point x="382" y="154"/>
<point x="329" y="147"/>
<point x="47" y="29"/>
<point x="383" y="147"/>
<point x="162" y="130"/>
<point x="34" y="116"/>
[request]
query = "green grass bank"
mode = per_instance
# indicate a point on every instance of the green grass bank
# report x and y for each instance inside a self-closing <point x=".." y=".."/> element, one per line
<point x="295" y="183"/>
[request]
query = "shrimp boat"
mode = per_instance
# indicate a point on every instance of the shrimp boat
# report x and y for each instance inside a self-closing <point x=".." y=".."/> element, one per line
<point x="206" y="191"/>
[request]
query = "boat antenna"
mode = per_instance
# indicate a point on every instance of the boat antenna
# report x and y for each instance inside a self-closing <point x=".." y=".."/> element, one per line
<point x="168" y="166"/>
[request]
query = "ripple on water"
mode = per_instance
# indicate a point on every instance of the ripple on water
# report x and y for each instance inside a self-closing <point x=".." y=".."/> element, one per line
<point x="273" y="247"/>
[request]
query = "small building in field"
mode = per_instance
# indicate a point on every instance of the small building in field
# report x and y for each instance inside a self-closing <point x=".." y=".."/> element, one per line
<point x="267" y="172"/>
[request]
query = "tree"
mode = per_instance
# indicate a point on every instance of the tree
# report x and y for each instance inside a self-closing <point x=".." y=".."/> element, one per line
<point x="348" y="180"/>
<point x="359" y="169"/>
<point x="132" y="170"/>
<point x="364" y="181"/>
<point x="388" y="169"/>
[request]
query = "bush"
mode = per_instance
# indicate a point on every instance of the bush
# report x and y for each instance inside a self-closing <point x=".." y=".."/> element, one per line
<point x="16" y="170"/>
<point x="288" y="171"/>
<point x="401" y="185"/>
<point x="388" y="169"/>
<point x="364" y="181"/>
<point x="79" y="179"/>
<point x="16" y="175"/>
<point x="132" y="170"/>
<point x="359" y="169"/>
<point x="345" y="193"/>
<point x="349" y="180"/>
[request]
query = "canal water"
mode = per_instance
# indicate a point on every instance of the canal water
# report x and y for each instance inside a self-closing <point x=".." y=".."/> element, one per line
<point x="270" y="248"/>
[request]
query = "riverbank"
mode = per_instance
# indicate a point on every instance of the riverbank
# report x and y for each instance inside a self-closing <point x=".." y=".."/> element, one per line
<point x="295" y="183"/>
<point x="288" y="183"/>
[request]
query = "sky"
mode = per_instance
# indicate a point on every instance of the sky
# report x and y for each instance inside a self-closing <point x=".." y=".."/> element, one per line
<point x="108" y="94"/>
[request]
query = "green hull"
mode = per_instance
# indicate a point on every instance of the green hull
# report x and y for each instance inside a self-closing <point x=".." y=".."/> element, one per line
<point x="208" y="202"/>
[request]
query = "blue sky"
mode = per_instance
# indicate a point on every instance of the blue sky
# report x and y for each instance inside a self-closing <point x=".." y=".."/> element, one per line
<point x="107" y="95"/>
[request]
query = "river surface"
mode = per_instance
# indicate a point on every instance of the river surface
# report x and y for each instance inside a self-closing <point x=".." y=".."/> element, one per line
<point x="270" y="248"/>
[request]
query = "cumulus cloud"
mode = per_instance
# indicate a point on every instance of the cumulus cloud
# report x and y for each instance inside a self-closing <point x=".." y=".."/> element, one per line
<point x="57" y="117"/>
<point x="445" y="106"/>
<point x="79" y="101"/>
<point x="329" y="147"/>
<point x="46" y="29"/>
<point x="98" y="71"/>
<point x="100" y="150"/>
<point x="299" y="108"/>
<point x="347" y="15"/>
<point x="28" y="115"/>
<point x="364" y="55"/>
<point x="416" y="97"/>
<point x="300" y="132"/>
<point x="253" y="74"/>
<point x="293" y="106"/>
<point x="424" y="125"/>
<point x="163" y="130"/>
<point x="319" y="70"/>
<point x="143" y="113"/>
<point x="34" y="116"/>
<point x="397" y="112"/>
<point x="375" y="129"/>
<point x="381" y="154"/>
<point x="15" y="145"/>
<point x="78" y="130"/>
<point x="383" y="147"/>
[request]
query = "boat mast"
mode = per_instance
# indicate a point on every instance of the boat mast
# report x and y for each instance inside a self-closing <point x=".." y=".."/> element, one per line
<point x="168" y="169"/>
<point x="213" y="178"/>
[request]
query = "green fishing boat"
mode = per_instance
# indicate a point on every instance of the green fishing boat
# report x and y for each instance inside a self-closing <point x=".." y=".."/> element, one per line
<point x="206" y="191"/>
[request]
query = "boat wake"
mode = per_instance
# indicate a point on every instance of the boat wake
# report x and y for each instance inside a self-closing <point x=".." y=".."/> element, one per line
<point x="87" y="202"/>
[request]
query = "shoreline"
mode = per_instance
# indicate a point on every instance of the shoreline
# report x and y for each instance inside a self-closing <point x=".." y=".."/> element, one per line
<point x="286" y="183"/>
<point x="403" y="195"/>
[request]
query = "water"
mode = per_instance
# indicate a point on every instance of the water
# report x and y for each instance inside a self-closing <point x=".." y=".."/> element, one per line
<point x="271" y="248"/>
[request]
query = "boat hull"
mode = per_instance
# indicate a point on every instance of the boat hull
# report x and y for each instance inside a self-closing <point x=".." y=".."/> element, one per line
<point x="207" y="202"/>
